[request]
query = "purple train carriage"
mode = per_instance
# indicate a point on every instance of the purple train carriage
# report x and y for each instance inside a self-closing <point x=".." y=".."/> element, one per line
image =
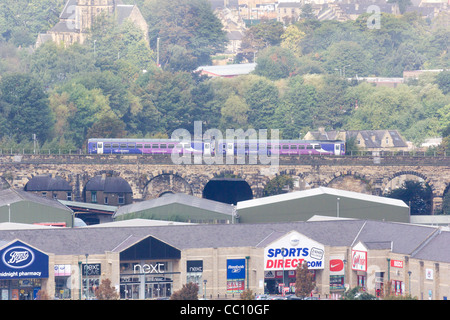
<point x="167" y="146"/>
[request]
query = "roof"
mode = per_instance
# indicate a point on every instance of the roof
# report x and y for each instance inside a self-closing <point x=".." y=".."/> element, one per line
<point x="422" y="242"/>
<point x="323" y="201"/>
<point x="75" y="205"/>
<point x="108" y="184"/>
<point x="228" y="70"/>
<point x="47" y="183"/>
<point x="136" y="223"/>
<point x="177" y="198"/>
<point x="123" y="11"/>
<point x="10" y="196"/>
<point x="318" y="191"/>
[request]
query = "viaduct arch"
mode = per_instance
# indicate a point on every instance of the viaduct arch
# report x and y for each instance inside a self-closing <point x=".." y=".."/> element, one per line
<point x="151" y="176"/>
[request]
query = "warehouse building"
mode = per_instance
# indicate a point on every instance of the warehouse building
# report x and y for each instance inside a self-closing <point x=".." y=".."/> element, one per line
<point x="177" y="207"/>
<point x="24" y="207"/>
<point x="224" y="259"/>
<point x="302" y="205"/>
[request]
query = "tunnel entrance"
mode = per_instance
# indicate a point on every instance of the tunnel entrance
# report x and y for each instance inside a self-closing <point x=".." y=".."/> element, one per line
<point x="227" y="190"/>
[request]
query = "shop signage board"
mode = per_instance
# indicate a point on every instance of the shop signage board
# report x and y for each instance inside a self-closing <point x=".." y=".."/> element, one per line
<point x="235" y="275"/>
<point x="20" y="261"/>
<point x="235" y="269"/>
<point x="359" y="257"/>
<point x="397" y="263"/>
<point x="292" y="250"/>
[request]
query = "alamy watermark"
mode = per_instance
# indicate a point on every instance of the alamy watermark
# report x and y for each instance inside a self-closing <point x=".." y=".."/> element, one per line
<point x="235" y="147"/>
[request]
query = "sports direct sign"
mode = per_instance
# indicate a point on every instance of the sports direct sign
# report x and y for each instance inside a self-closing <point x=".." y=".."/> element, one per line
<point x="292" y="250"/>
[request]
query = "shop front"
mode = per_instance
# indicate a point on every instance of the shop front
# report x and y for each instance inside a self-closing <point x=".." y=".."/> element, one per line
<point x="283" y="256"/>
<point x="23" y="271"/>
<point x="147" y="269"/>
<point x="146" y="280"/>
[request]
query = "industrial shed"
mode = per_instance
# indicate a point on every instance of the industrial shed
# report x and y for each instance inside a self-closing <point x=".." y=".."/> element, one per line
<point x="23" y="207"/>
<point x="177" y="207"/>
<point x="302" y="205"/>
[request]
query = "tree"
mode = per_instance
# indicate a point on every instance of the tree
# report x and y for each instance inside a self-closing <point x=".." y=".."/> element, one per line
<point x="357" y="293"/>
<point x="276" y="63"/>
<point x="189" y="291"/>
<point x="295" y="114"/>
<point x="260" y="36"/>
<point x="247" y="294"/>
<point x="24" y="108"/>
<point x="304" y="282"/>
<point x="262" y="99"/>
<point x="277" y="185"/>
<point x="191" y="25"/>
<point x="291" y="39"/>
<point x="105" y="291"/>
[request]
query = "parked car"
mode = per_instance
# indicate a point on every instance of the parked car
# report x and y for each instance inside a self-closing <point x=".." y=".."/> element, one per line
<point x="293" y="297"/>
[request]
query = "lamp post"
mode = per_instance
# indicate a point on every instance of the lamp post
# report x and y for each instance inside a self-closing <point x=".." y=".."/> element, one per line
<point x="204" y="290"/>
<point x="409" y="275"/>
<point x="87" y="279"/>
<point x="81" y="278"/>
<point x="9" y="212"/>
<point x="247" y="258"/>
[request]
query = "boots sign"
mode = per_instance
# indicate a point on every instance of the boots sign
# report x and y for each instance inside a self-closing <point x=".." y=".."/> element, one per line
<point x="19" y="261"/>
<point x="292" y="250"/>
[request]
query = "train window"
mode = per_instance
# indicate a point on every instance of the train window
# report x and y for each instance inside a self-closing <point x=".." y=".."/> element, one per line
<point x="107" y="145"/>
<point x="163" y="146"/>
<point x="131" y="145"/>
<point x="285" y="146"/>
<point x="155" y="146"/>
<point x="139" y="146"/>
<point x="123" y="145"/>
<point x="317" y="147"/>
<point x="179" y="146"/>
<point x="301" y="146"/>
<point x="262" y="146"/>
<point x="171" y="146"/>
<point x="115" y="145"/>
<point x="309" y="146"/>
<point x="293" y="146"/>
<point x="147" y="146"/>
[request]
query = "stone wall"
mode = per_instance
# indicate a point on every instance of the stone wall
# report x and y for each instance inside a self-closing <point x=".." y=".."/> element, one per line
<point x="150" y="176"/>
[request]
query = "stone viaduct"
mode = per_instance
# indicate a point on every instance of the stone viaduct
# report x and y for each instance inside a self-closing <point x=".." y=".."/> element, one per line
<point x="152" y="175"/>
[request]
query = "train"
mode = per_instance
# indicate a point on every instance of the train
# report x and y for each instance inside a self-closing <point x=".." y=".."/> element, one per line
<point x="216" y="147"/>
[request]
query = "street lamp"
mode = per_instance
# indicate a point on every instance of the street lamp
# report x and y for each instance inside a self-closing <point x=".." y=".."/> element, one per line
<point x="87" y="279"/>
<point x="204" y="290"/>
<point x="409" y="275"/>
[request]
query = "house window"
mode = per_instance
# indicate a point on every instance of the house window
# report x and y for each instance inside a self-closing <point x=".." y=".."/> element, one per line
<point x="121" y="199"/>
<point x="69" y="196"/>
<point x="106" y="200"/>
<point x="387" y="140"/>
<point x="94" y="196"/>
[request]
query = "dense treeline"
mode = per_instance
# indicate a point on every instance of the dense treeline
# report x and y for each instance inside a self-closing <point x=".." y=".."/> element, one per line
<point x="111" y="87"/>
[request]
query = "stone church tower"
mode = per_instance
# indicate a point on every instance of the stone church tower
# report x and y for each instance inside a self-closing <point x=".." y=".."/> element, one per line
<point x="78" y="17"/>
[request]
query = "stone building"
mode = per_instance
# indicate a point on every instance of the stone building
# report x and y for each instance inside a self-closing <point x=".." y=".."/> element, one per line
<point x="78" y="17"/>
<point x="114" y="191"/>
<point x="367" y="140"/>
<point x="50" y="187"/>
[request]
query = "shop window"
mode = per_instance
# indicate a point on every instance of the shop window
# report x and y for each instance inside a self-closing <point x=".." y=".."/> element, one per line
<point x="362" y="282"/>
